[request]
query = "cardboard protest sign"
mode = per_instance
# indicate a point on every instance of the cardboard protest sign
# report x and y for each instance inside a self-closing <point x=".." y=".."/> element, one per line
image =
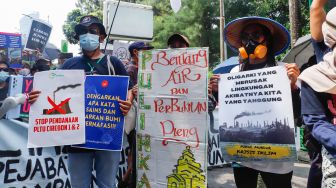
<point x="256" y="116"/>
<point x="120" y="50"/>
<point x="57" y="117"/>
<point x="11" y="49"/>
<point x="172" y="126"/>
<point x="104" y="120"/>
<point x="38" y="36"/>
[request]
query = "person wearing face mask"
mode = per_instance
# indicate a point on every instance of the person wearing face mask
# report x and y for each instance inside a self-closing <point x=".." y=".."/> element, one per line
<point x="4" y="75"/>
<point x="318" y="95"/>
<point x="40" y="65"/>
<point x="258" y="40"/>
<point x="90" y="32"/>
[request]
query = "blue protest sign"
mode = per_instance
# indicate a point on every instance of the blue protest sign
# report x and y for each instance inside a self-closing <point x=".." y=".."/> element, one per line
<point x="10" y="49"/>
<point x="104" y="121"/>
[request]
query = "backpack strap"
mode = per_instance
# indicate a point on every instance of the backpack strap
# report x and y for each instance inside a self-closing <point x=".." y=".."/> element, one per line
<point x="110" y="66"/>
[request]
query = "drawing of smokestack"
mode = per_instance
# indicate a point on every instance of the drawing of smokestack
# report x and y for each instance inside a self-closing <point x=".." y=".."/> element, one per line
<point x="64" y="87"/>
<point x="65" y="107"/>
<point x="243" y="114"/>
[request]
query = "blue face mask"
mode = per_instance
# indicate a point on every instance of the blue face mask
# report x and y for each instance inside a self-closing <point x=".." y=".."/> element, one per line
<point x="3" y="76"/>
<point x="89" y="42"/>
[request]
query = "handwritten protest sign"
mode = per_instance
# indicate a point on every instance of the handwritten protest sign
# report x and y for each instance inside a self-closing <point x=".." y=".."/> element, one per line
<point x="172" y="118"/>
<point x="10" y="49"/>
<point x="57" y="117"/>
<point x="104" y="120"/>
<point x="256" y="116"/>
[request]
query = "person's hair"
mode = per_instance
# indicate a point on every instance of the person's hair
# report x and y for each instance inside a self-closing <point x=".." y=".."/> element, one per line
<point x="270" y="57"/>
<point x="132" y="53"/>
<point x="4" y="63"/>
<point x="311" y="61"/>
<point x="40" y="66"/>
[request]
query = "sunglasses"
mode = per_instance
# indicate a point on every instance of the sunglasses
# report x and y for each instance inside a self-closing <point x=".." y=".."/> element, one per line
<point x="255" y="36"/>
<point x="5" y="69"/>
<point x="94" y="31"/>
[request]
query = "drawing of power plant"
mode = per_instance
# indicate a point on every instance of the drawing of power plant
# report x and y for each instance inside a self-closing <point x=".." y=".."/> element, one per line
<point x="277" y="131"/>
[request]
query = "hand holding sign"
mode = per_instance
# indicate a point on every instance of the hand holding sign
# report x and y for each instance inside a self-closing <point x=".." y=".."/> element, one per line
<point x="214" y="82"/>
<point x="125" y="106"/>
<point x="293" y="72"/>
<point x="33" y="96"/>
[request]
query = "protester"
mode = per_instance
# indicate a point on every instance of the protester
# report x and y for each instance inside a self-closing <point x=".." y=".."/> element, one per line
<point x="178" y="41"/>
<point x="62" y="57"/>
<point x="5" y="72"/>
<point x="91" y="32"/>
<point x="132" y="66"/>
<point x="317" y="17"/>
<point x="245" y="35"/>
<point x="319" y="106"/>
<point x="25" y="70"/>
<point x="41" y="64"/>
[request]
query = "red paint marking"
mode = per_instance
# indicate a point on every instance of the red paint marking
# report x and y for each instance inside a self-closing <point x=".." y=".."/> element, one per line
<point x="57" y="107"/>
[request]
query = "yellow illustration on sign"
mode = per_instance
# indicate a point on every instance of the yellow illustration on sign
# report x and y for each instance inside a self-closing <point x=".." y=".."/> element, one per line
<point x="187" y="172"/>
<point x="259" y="151"/>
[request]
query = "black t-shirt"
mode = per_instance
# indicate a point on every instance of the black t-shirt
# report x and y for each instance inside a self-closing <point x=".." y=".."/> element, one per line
<point x="87" y="64"/>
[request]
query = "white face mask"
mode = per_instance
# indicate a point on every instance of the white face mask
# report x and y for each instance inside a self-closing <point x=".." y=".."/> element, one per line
<point x="24" y="72"/>
<point x="3" y="76"/>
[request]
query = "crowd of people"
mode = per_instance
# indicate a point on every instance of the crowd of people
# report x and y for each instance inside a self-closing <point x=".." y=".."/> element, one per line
<point x="257" y="41"/>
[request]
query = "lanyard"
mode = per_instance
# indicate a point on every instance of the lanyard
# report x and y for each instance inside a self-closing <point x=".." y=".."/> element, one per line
<point x="92" y="67"/>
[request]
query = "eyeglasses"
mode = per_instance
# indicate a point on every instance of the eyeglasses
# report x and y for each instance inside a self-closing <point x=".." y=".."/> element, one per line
<point x="83" y="31"/>
<point x="255" y="36"/>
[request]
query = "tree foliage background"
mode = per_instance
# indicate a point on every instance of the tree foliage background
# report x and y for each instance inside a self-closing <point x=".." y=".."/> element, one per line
<point x="197" y="19"/>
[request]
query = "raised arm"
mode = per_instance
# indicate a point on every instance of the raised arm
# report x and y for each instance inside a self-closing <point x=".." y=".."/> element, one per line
<point x="317" y="17"/>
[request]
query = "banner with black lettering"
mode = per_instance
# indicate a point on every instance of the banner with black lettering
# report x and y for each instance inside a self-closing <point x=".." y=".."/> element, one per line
<point x="37" y="167"/>
<point x="38" y="35"/>
<point x="256" y="116"/>
<point x="57" y="117"/>
<point x="215" y="156"/>
<point x="172" y="116"/>
<point x="22" y="167"/>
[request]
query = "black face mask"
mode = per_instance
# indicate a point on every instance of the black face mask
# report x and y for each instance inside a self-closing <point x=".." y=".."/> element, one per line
<point x="250" y="46"/>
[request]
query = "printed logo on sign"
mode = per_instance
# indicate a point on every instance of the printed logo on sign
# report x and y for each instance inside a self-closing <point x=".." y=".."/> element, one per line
<point x="104" y="83"/>
<point x="54" y="75"/>
<point x="86" y="19"/>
